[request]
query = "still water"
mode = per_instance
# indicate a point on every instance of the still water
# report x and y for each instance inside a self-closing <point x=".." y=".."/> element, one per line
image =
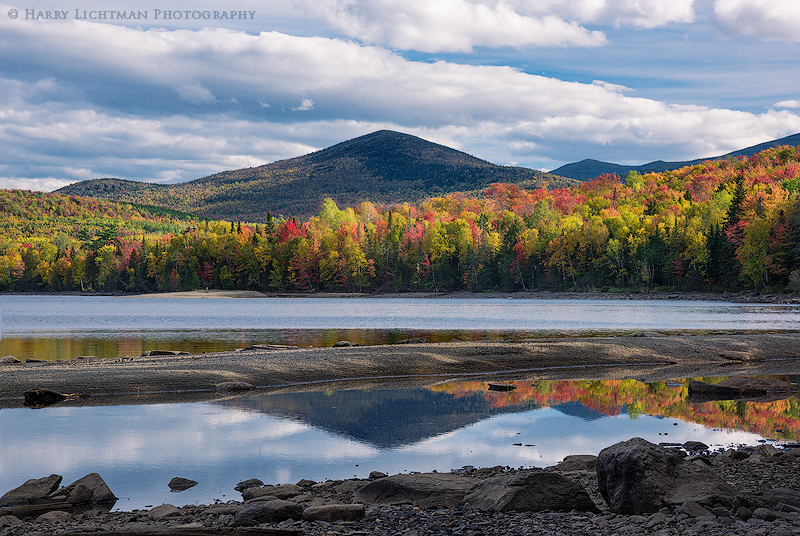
<point x="282" y="438"/>
<point x="65" y="327"/>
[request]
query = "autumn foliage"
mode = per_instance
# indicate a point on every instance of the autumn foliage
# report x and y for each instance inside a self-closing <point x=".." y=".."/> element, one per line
<point x="722" y="225"/>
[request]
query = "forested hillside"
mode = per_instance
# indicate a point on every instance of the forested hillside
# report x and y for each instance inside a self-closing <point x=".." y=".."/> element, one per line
<point x="722" y="225"/>
<point x="382" y="167"/>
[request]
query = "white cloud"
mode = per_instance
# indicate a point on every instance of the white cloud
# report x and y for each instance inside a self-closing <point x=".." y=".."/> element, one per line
<point x="307" y="104"/>
<point x="787" y="104"/>
<point x="764" y="19"/>
<point x="65" y="127"/>
<point x="460" y="25"/>
<point x="195" y="93"/>
<point x="449" y="25"/>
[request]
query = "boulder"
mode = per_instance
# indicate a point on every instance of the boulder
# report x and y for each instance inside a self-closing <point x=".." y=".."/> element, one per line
<point x="31" y="491"/>
<point x="250" y="483"/>
<point x="100" y="493"/>
<point x="181" y="484"/>
<point x="9" y="360"/>
<point x="423" y="489"/>
<point x="533" y="491"/>
<point x="577" y="462"/>
<point x="273" y="511"/>
<point x="374" y="475"/>
<point x="80" y="494"/>
<point x="334" y="512"/>
<point x="782" y="495"/>
<point x="692" y="509"/>
<point x="639" y="477"/>
<point x="283" y="491"/>
<point x="755" y="389"/>
<point x="165" y="510"/>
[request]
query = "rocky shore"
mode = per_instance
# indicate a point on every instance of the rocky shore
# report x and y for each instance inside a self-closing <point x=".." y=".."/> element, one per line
<point x="631" y="488"/>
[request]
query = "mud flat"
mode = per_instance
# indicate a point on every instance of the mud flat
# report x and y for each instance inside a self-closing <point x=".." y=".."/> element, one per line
<point x="648" y="357"/>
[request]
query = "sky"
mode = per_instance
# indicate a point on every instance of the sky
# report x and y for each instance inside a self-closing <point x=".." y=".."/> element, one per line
<point x="171" y="92"/>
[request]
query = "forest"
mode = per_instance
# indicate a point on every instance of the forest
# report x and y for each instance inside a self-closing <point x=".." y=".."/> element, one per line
<point x="723" y="225"/>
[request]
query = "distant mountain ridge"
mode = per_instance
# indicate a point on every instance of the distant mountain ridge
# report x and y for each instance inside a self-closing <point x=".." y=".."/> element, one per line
<point x="382" y="167"/>
<point x="589" y="168"/>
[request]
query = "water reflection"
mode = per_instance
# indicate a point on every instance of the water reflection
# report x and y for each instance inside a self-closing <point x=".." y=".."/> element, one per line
<point x="340" y="434"/>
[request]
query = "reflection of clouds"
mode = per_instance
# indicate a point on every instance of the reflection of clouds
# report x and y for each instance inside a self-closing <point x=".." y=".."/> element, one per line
<point x="137" y="448"/>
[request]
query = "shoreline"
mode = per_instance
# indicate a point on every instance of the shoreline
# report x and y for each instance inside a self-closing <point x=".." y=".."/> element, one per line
<point x="190" y="377"/>
<point x="737" y="297"/>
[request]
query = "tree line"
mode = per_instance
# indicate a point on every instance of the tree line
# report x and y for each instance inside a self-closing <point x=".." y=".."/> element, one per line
<point x="724" y="225"/>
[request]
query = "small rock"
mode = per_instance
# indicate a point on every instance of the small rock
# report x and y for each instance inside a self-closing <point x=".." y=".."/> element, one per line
<point x="768" y="451"/>
<point x="345" y="344"/>
<point x="266" y="512"/>
<point x="233" y="386"/>
<point x="577" y="462"/>
<point x="39" y="398"/>
<point x="334" y="512"/>
<point x="9" y="521"/>
<point x="695" y="446"/>
<point x="764" y="513"/>
<point x="181" y="484"/>
<point x="414" y="340"/>
<point x="9" y="360"/>
<point x="56" y="516"/>
<point x="165" y="510"/>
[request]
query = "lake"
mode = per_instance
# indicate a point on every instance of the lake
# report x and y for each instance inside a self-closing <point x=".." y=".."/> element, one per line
<point x="284" y="437"/>
<point x="65" y="327"/>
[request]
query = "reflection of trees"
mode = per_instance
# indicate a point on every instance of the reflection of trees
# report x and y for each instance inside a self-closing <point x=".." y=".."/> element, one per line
<point x="779" y="419"/>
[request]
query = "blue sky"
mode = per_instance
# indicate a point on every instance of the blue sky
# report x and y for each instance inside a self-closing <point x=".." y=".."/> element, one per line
<point x="536" y="83"/>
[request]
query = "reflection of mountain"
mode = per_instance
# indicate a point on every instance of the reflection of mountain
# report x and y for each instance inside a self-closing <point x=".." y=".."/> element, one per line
<point x="383" y="418"/>
<point x="576" y="409"/>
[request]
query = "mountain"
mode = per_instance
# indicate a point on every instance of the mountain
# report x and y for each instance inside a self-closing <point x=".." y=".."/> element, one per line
<point x="382" y="167"/>
<point x="589" y="169"/>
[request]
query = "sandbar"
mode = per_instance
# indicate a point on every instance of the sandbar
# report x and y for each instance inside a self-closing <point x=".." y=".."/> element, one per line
<point x="649" y="358"/>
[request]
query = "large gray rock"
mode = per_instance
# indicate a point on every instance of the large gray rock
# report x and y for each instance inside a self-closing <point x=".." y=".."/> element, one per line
<point x="100" y="493"/>
<point x="266" y="512"/>
<point x="31" y="491"/>
<point x="534" y="491"/>
<point x="334" y="512"/>
<point x="9" y="360"/>
<point x="638" y="477"/>
<point x="425" y="489"/>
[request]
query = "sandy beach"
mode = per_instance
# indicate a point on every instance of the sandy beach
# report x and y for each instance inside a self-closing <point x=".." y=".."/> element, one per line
<point x="650" y="357"/>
